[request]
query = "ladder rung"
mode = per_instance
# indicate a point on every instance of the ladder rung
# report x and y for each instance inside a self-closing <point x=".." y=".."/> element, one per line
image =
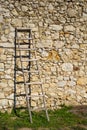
<point x="23" y="38"/>
<point x="26" y="71"/>
<point x="20" y="69"/>
<point x="21" y="82"/>
<point x="23" y="43"/>
<point x="25" y="49"/>
<point x="22" y="56"/>
<point x="33" y="83"/>
<point x="29" y="60"/>
<point x="18" y="95"/>
<point x="27" y="83"/>
<point x="23" y="94"/>
<point x="23" y="30"/>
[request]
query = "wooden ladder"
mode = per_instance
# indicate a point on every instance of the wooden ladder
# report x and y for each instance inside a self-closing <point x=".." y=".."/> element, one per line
<point x="23" y="48"/>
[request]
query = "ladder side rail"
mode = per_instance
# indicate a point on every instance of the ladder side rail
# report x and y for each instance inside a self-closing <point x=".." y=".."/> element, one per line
<point x="44" y="101"/>
<point x="29" y="64"/>
<point x="25" y="85"/>
<point x="15" y="70"/>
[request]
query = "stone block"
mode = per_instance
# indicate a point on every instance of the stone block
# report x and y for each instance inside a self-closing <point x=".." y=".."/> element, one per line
<point x="17" y="22"/>
<point x="53" y="56"/>
<point x="71" y="83"/>
<point x="4" y="103"/>
<point x="82" y="81"/>
<point x="42" y="4"/>
<point x="69" y="28"/>
<point x="14" y="12"/>
<point x="35" y="96"/>
<point x="72" y="12"/>
<point x="10" y="83"/>
<point x="19" y="78"/>
<point x="10" y="97"/>
<point x="2" y="96"/>
<point x="24" y="8"/>
<point x="67" y="67"/>
<point x="62" y="83"/>
<point x="1" y="51"/>
<point x="1" y="65"/>
<point x="56" y="27"/>
<point x="50" y="7"/>
<point x="3" y="38"/>
<point x="8" y="76"/>
<point x="1" y="19"/>
<point x="33" y="104"/>
<point x="3" y="57"/>
<point x="53" y="69"/>
<point x="3" y="84"/>
<point x="59" y="44"/>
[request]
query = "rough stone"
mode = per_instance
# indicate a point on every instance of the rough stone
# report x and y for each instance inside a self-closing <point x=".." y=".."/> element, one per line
<point x="69" y="28"/>
<point x="1" y="18"/>
<point x="17" y="22"/>
<point x="44" y="53"/>
<point x="14" y="12"/>
<point x="85" y="14"/>
<point x="56" y="27"/>
<point x="1" y="51"/>
<point x="82" y="81"/>
<point x="3" y="38"/>
<point x="3" y="84"/>
<point x="19" y="78"/>
<point x="10" y="83"/>
<point x="62" y="20"/>
<point x="71" y="83"/>
<point x="8" y="77"/>
<point x="50" y="7"/>
<point x="10" y="103"/>
<point x="1" y="65"/>
<point x="67" y="67"/>
<point x="71" y="92"/>
<point x="60" y="77"/>
<point x="53" y="95"/>
<point x="2" y="96"/>
<point x="11" y="96"/>
<point x="33" y="104"/>
<point x="35" y="97"/>
<point x="75" y="46"/>
<point x="24" y="8"/>
<point x="72" y="12"/>
<point x="4" y="103"/>
<point x="42" y="4"/>
<point x="62" y="83"/>
<point x="59" y="44"/>
<point x="53" y="69"/>
<point x="7" y="31"/>
<point x="53" y="55"/>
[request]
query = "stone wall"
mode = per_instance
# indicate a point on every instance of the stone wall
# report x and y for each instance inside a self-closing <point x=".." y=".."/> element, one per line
<point x="59" y="30"/>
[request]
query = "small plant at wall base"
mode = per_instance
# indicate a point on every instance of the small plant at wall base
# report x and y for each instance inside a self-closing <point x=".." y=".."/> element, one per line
<point x="62" y="119"/>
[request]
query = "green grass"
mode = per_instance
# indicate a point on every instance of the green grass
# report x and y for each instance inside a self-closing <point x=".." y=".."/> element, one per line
<point x="61" y="118"/>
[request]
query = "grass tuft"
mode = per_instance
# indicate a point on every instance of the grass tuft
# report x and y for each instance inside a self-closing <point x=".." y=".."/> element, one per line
<point x="59" y="119"/>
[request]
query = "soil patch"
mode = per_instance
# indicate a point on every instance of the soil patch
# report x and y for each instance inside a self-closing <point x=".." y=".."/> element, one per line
<point x="80" y="110"/>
